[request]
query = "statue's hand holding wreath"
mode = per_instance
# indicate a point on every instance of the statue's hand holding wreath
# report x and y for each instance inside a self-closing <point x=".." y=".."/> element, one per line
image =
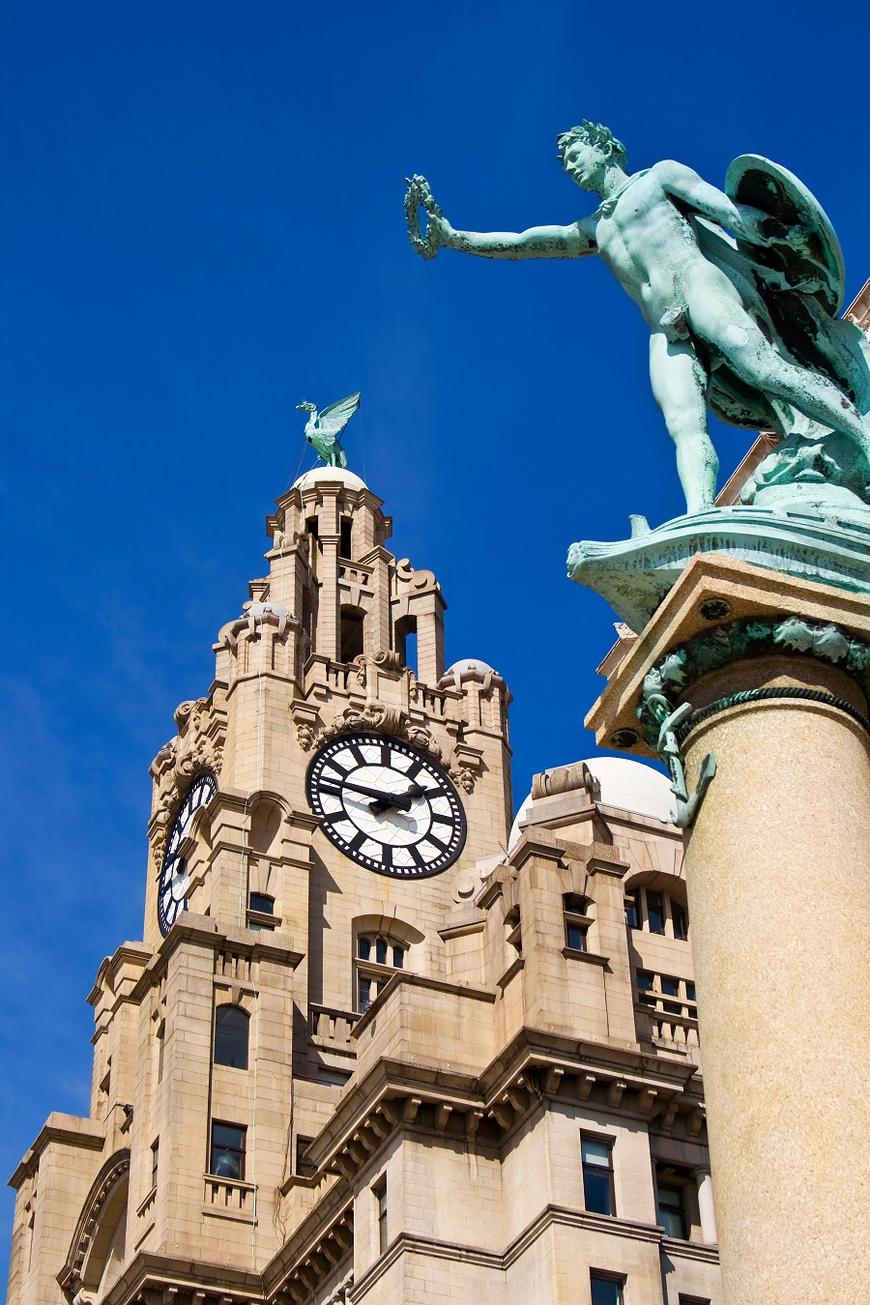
<point x="428" y="228"/>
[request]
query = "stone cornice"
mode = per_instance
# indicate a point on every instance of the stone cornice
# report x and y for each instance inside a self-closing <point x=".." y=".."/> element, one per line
<point x="77" y="1131"/>
<point x="149" y="1272"/>
<point x="202" y="929"/>
<point x="409" y="978"/>
<point x="549" y="1216"/>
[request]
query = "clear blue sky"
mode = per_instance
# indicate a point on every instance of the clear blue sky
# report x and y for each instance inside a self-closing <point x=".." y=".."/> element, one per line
<point x="202" y="225"/>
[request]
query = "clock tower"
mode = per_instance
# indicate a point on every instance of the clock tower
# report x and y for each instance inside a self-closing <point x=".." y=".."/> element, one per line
<point x="376" y="1044"/>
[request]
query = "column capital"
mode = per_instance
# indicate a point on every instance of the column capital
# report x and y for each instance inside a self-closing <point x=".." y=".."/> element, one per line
<point x="721" y="610"/>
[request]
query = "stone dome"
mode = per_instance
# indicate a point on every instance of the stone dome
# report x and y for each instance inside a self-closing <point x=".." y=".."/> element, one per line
<point x="627" y="784"/>
<point x="319" y="475"/>
<point x="470" y="666"/>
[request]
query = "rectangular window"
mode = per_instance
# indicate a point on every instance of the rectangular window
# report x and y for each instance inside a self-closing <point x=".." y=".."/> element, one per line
<point x="606" y="1290"/>
<point x="575" y="936"/>
<point x="694" y="1300"/>
<point x="261" y="902"/>
<point x="680" y="918"/>
<point x="596" y="1155"/>
<point x="398" y="958"/>
<point x="379" y="1191"/>
<point x="645" y="993"/>
<point x="155" y="1158"/>
<point x="671" y="988"/>
<point x="672" y="1214"/>
<point x="227" y="1158"/>
<point x="365" y="998"/>
<point x="655" y="913"/>
<point x="632" y="909"/>
<point x="576" y="910"/>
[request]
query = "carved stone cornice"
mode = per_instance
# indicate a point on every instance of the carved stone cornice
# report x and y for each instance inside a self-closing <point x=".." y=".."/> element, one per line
<point x="384" y="718"/>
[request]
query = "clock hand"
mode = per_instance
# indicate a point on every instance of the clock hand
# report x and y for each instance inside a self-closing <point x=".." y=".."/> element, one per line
<point x="382" y="799"/>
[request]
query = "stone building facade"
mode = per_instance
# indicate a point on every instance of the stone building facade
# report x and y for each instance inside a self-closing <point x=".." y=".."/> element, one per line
<point x="378" y="1043"/>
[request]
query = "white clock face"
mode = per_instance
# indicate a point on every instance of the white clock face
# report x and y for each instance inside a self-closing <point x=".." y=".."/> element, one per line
<point x="172" y="889"/>
<point x="386" y="805"/>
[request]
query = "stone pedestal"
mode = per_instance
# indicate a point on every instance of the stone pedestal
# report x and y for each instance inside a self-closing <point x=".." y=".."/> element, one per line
<point x="777" y="868"/>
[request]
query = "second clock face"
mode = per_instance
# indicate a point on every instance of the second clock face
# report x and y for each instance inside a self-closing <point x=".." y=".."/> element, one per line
<point x="386" y="805"/>
<point x="172" y="889"/>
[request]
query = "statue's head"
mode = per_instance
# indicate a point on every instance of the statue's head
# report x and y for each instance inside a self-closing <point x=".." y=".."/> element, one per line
<point x="587" y="150"/>
<point x="305" y="406"/>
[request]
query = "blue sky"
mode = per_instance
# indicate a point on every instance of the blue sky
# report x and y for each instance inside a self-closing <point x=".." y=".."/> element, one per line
<point x="203" y="225"/>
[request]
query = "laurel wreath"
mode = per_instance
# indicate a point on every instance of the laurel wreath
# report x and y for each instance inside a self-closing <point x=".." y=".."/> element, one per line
<point x="419" y="199"/>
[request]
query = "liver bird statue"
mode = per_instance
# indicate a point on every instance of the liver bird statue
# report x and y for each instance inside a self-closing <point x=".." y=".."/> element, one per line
<point x="323" y="428"/>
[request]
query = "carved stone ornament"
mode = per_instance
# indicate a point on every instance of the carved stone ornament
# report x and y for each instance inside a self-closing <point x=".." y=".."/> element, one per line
<point x="375" y="715"/>
<point x="197" y="746"/>
<point x="466" y="764"/>
<point x="756" y="636"/>
<point x="565" y="779"/>
<point x="254" y="616"/>
<point x="408" y="580"/>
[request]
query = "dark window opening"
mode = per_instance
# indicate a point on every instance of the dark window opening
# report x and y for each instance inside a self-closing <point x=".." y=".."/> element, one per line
<point x="671" y="988"/>
<point x="576" y="920"/>
<point x="605" y="1289"/>
<point x="406" y="641"/>
<point x="155" y="1158"/>
<point x="375" y="950"/>
<point x="575" y="936"/>
<point x="311" y="526"/>
<point x="351" y="634"/>
<point x="597" y="1175"/>
<point x="379" y="1191"/>
<point x="672" y="1215"/>
<point x="227" y="1159"/>
<point x="632" y="910"/>
<point x="514" y="927"/>
<point x="680" y="918"/>
<point x="645" y="988"/>
<point x="231" y="1026"/>
<point x="655" y="912"/>
<point x="261" y="902"/>
<point x="345" y="541"/>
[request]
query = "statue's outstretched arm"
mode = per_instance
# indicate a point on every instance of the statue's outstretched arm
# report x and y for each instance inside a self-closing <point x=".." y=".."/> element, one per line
<point x="749" y="223"/>
<point x="573" y="241"/>
<point x="430" y="231"/>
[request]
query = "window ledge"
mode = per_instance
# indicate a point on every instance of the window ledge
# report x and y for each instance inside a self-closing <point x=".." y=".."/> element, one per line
<point x="237" y="1216"/>
<point x="265" y="918"/>
<point x="591" y="958"/>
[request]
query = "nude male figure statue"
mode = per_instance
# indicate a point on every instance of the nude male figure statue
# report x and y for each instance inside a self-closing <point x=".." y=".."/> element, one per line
<point x="653" y="230"/>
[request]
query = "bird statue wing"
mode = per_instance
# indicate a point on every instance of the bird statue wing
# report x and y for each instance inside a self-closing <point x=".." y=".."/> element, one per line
<point x="333" y="419"/>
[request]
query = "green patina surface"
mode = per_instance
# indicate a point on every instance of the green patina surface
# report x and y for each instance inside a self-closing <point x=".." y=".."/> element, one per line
<point x="740" y="288"/>
<point x="323" y="428"/>
<point x="672" y="677"/>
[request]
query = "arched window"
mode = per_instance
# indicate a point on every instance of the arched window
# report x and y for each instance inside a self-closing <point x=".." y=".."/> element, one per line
<point x="231" y="1025"/>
